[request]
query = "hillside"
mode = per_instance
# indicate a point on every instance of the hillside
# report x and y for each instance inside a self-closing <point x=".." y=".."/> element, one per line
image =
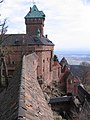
<point x="83" y="73"/>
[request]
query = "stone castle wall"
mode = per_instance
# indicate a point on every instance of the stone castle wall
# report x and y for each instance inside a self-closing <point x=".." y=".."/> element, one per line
<point x="45" y="60"/>
<point x="35" y="106"/>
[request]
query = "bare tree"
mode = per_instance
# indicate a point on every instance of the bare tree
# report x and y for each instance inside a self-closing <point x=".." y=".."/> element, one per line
<point x="3" y="75"/>
<point x="3" y="68"/>
<point x="86" y="64"/>
<point x="1" y="1"/>
<point x="3" y="30"/>
<point x="85" y="72"/>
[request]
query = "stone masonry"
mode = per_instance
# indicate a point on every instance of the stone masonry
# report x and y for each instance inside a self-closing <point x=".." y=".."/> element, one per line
<point x="35" y="106"/>
<point x="23" y="99"/>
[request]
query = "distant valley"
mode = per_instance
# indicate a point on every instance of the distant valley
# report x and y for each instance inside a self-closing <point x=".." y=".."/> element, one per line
<point x="74" y="58"/>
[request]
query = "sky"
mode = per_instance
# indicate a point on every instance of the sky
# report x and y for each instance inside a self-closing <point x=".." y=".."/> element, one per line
<point x="67" y="22"/>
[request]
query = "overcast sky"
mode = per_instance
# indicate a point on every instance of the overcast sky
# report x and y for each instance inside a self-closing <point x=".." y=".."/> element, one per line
<point x="67" y="21"/>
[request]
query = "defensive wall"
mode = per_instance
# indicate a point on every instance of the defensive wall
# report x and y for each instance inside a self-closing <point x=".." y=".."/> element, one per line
<point x="23" y="99"/>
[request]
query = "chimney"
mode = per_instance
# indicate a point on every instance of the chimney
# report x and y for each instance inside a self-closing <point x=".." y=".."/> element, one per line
<point x="46" y="36"/>
<point x="30" y="9"/>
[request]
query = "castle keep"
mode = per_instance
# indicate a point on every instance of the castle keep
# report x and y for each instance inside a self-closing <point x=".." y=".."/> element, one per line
<point x="33" y="41"/>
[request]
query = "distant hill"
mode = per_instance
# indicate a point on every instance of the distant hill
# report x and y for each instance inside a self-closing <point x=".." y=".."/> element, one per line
<point x="76" y="70"/>
<point x="83" y="73"/>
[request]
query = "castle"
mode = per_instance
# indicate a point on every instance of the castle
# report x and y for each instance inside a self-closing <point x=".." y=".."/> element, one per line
<point x="33" y="54"/>
<point x="17" y="45"/>
<point x="33" y="41"/>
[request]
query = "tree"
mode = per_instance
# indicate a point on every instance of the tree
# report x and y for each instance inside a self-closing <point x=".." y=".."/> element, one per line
<point x="1" y="1"/>
<point x="85" y="66"/>
<point x="3" y="30"/>
<point x="3" y="76"/>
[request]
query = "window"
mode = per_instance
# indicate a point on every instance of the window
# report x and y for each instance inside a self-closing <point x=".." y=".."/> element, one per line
<point x="13" y="62"/>
<point x="50" y="64"/>
<point x="70" y="81"/>
<point x="51" y="54"/>
<point x="43" y="61"/>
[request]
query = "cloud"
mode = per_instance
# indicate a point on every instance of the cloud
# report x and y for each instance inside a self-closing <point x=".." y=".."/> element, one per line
<point x="67" y="21"/>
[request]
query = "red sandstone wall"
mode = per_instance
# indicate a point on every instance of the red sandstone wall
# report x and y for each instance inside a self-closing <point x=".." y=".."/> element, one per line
<point x="46" y="57"/>
<point x="45" y="62"/>
<point x="32" y="26"/>
<point x="33" y="29"/>
<point x="32" y="99"/>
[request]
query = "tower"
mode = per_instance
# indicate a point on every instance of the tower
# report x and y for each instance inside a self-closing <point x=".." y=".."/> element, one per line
<point x="34" y="21"/>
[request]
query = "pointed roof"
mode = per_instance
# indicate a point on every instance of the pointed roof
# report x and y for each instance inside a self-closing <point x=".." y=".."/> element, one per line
<point x="64" y="62"/>
<point x="35" y="13"/>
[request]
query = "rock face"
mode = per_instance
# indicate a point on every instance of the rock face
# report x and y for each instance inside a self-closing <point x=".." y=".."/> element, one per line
<point x="24" y="99"/>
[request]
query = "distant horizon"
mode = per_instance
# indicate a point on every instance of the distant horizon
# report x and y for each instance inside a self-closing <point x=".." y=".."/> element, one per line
<point x="74" y="57"/>
<point x="73" y="51"/>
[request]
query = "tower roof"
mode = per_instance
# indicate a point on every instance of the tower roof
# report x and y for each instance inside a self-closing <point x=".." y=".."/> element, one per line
<point x="35" y="13"/>
<point x="25" y="39"/>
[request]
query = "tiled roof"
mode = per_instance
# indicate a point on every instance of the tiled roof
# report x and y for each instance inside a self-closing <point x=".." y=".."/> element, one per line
<point x="84" y="93"/>
<point x="25" y="39"/>
<point x="36" y="107"/>
<point x="64" y="62"/>
<point x="60" y="99"/>
<point x="35" y="13"/>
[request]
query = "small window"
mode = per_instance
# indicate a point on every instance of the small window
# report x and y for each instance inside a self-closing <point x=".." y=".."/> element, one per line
<point x="38" y="45"/>
<point x="16" y="42"/>
<point x="43" y="61"/>
<point x="13" y="62"/>
<point x="70" y="81"/>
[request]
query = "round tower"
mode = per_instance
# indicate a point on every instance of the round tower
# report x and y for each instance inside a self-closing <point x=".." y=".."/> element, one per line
<point x="34" y="21"/>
